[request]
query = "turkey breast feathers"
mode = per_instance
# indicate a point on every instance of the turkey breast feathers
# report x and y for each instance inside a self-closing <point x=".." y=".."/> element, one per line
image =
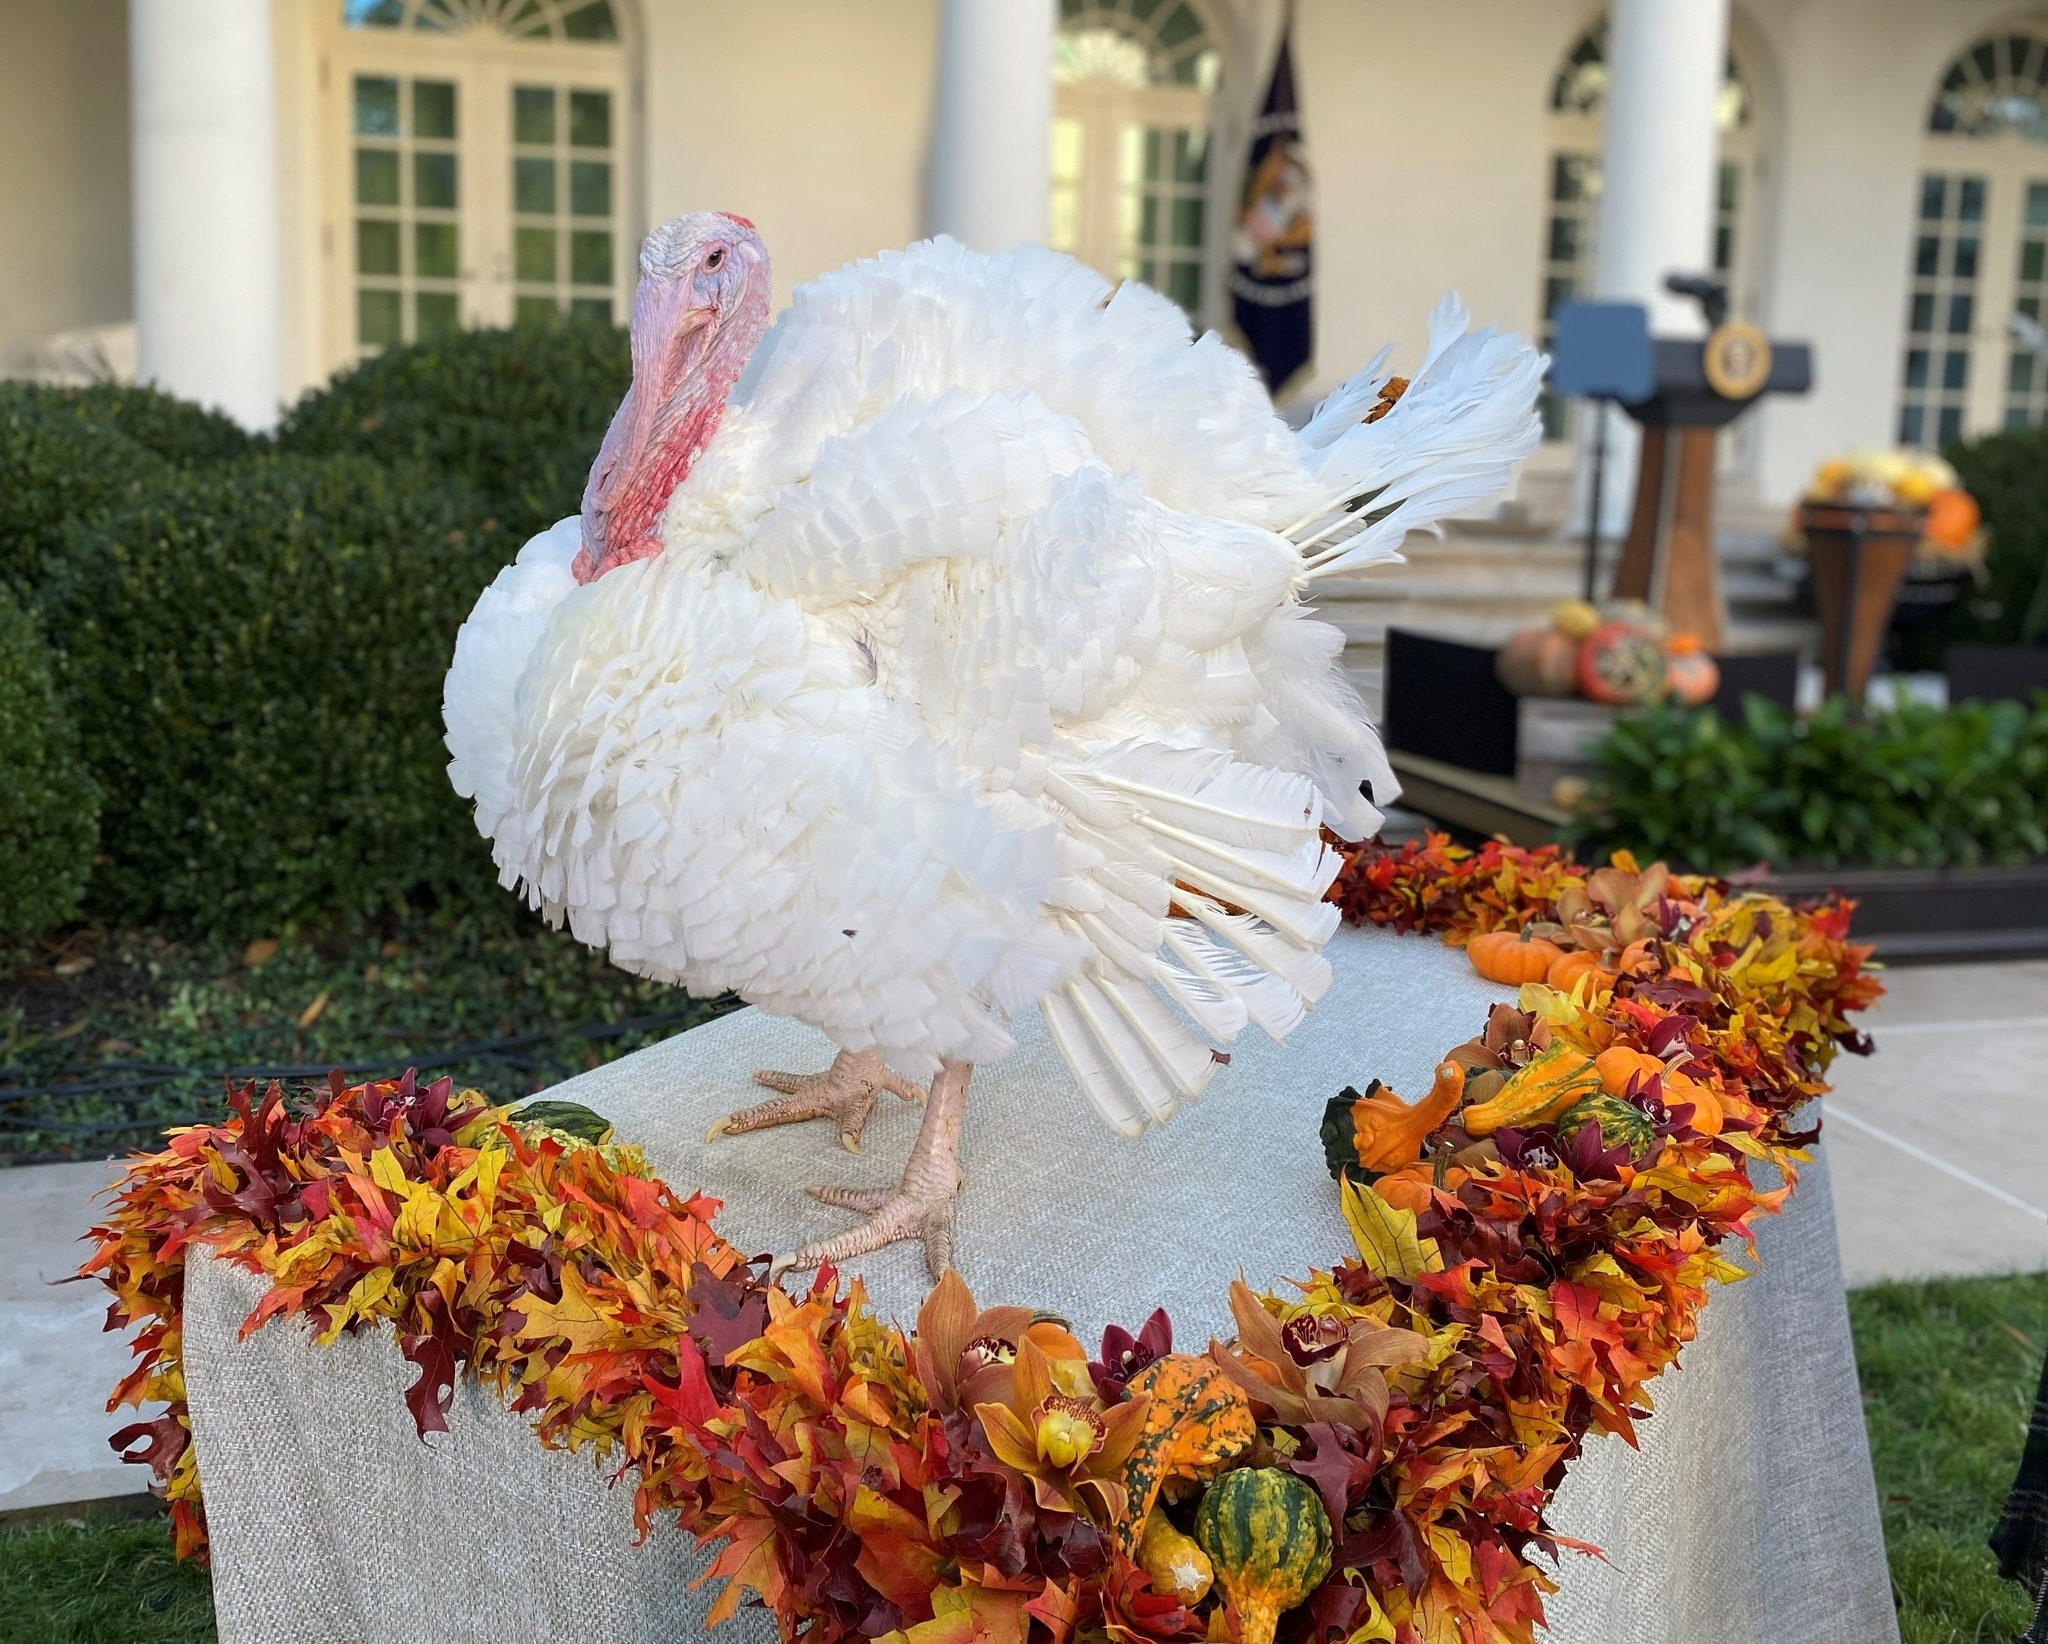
<point x="974" y="674"/>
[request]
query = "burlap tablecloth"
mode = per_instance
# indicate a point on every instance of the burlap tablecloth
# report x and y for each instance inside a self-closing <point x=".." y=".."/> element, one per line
<point x="1748" y="1514"/>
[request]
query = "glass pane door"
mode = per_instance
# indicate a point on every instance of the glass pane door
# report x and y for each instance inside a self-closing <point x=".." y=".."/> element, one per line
<point x="2026" y="385"/>
<point x="1163" y="187"/>
<point x="565" y="201"/>
<point x="1941" y="311"/>
<point x="407" y="188"/>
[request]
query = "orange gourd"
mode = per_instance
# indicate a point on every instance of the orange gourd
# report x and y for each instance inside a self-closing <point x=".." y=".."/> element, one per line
<point x="1618" y="1064"/>
<point x="1638" y="957"/>
<point x="1387" y="1133"/>
<point x="1512" y="956"/>
<point x="1567" y="968"/>
<point x="1952" y="519"/>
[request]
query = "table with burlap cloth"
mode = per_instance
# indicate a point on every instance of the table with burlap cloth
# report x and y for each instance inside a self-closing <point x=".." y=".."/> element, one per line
<point x="1748" y="1514"/>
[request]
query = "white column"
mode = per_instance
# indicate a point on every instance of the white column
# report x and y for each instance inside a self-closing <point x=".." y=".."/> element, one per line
<point x="1665" y="63"/>
<point x="992" y="135"/>
<point x="208" y="312"/>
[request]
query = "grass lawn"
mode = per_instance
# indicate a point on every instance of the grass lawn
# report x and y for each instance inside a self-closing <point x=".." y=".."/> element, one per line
<point x="1948" y="1372"/>
<point x="107" y="1036"/>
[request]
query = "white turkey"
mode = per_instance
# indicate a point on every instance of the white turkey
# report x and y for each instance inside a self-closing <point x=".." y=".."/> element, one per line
<point x="942" y="652"/>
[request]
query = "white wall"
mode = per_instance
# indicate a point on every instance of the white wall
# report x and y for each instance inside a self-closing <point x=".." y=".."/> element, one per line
<point x="64" y="226"/>
<point x="812" y="117"/>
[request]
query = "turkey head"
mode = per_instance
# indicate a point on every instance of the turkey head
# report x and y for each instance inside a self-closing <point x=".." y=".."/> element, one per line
<point x="701" y="307"/>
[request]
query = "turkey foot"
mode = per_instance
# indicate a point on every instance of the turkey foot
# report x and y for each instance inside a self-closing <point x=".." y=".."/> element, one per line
<point x="844" y="1092"/>
<point x="920" y="1207"/>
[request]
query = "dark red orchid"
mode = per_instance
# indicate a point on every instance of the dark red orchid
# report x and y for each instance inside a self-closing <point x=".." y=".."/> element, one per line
<point x="1124" y="1355"/>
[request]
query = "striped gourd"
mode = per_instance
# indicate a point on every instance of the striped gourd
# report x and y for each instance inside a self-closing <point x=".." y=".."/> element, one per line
<point x="1268" y="1539"/>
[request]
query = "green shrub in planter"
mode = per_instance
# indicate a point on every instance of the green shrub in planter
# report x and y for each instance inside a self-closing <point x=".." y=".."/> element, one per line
<point x="49" y="803"/>
<point x="1916" y="786"/>
<point x="254" y="654"/>
<point x="517" y="415"/>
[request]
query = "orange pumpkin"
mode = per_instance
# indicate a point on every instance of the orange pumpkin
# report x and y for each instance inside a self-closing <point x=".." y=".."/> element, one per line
<point x="1567" y="968"/>
<point x="1512" y="956"/>
<point x="1707" y="1116"/>
<point x="1639" y="957"/>
<point x="1689" y="673"/>
<point x="1538" y="662"/>
<point x="1618" y="1064"/>
<point x="1952" y="519"/>
<point x="1619" y="664"/>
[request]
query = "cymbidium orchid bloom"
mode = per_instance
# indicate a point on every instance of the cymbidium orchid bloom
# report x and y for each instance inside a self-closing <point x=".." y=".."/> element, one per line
<point x="1124" y="1355"/>
<point x="1315" y="1367"/>
<point x="1071" y="1446"/>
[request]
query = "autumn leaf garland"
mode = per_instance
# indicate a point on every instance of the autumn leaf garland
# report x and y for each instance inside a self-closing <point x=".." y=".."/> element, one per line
<point x="980" y="1478"/>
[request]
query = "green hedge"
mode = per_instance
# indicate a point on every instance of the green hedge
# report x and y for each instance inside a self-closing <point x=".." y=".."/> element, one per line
<point x="49" y="802"/>
<point x="2008" y="475"/>
<point x="1914" y="786"/>
<point x="516" y="415"/>
<point x="58" y="469"/>
<point x="254" y="652"/>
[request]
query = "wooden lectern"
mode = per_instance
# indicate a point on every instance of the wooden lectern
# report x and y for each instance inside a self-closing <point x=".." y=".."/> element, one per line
<point x="1682" y="391"/>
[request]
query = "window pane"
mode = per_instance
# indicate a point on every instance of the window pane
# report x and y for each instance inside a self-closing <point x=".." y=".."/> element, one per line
<point x="433" y="108"/>
<point x="1955" y="369"/>
<point x="1564" y="239"/>
<point x="1972" y="206"/>
<point x="1933" y="190"/>
<point x="2031" y="257"/>
<point x="2037" y="205"/>
<point x="376" y="106"/>
<point x="1959" y="311"/>
<point x="533" y="186"/>
<point x="1190" y="156"/>
<point x="1568" y="178"/>
<point x="1910" y="424"/>
<point x="590" y="258"/>
<point x="533" y="254"/>
<point x="533" y="114"/>
<point x="376" y="247"/>
<point x="435" y="314"/>
<point x="1184" y="285"/>
<point x="2020" y="374"/>
<point x="590" y="188"/>
<point x="1951" y="425"/>
<point x="534" y="310"/>
<point x="590" y="119"/>
<point x="433" y="181"/>
<point x="1067" y="149"/>
<point x="1916" y="367"/>
<point x="377" y="318"/>
<point x="1927" y="255"/>
<point x="1923" y="311"/>
<point x="593" y="22"/>
<point x="593" y="308"/>
<point x="1148" y="220"/>
<point x="1187" y="222"/>
<point x="433" y="250"/>
<point x="376" y="176"/>
<point x="1154" y="137"/>
<point x="1966" y="257"/>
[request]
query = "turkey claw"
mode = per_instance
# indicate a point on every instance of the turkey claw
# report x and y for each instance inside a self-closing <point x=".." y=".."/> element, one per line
<point x="844" y="1093"/>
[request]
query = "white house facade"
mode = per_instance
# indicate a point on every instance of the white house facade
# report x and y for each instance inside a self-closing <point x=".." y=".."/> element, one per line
<point x="267" y="190"/>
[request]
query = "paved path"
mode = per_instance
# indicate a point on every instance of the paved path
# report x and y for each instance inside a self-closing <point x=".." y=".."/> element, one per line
<point x="1938" y="1148"/>
<point x="1938" y="1144"/>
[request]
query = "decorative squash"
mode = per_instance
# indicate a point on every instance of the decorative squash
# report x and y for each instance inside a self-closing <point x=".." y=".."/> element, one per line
<point x="1618" y="1064"/>
<point x="1538" y="662"/>
<point x="1387" y="1133"/>
<point x="1512" y="956"/>
<point x="1620" y="663"/>
<point x="1622" y="1124"/>
<point x="1707" y="1113"/>
<point x="1689" y="673"/>
<point x="1538" y="1093"/>
<point x="1574" y="618"/>
<point x="1268" y="1540"/>
<point x="1197" y="1420"/>
<point x="1174" y="1562"/>
<point x="1952" y="519"/>
<point x="1568" y="967"/>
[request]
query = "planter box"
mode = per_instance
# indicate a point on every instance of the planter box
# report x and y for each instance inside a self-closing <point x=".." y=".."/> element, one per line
<point x="1936" y="915"/>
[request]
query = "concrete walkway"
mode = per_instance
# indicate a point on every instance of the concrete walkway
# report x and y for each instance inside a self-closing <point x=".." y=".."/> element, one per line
<point x="1938" y="1148"/>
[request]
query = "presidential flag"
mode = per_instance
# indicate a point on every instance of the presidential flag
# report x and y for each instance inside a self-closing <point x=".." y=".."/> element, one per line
<point x="1273" y="282"/>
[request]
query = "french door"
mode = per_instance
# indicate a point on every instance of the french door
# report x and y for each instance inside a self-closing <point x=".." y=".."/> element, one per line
<point x="472" y="182"/>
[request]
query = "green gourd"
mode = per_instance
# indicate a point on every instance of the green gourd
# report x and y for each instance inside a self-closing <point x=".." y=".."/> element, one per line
<point x="1268" y="1539"/>
<point x="1621" y="1123"/>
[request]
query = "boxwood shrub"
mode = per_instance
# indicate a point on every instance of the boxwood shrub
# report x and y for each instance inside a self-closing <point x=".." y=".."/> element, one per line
<point x="1912" y="786"/>
<point x="515" y="415"/>
<point x="49" y="803"/>
<point x="254" y="653"/>
<point x="58" y="469"/>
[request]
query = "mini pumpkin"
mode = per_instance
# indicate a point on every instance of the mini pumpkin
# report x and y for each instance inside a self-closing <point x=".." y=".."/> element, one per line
<point x="1268" y="1538"/>
<point x="1566" y="969"/>
<point x="1952" y="520"/>
<point x="1689" y="673"/>
<point x="1538" y="662"/>
<point x="1620" y="664"/>
<point x="1512" y="956"/>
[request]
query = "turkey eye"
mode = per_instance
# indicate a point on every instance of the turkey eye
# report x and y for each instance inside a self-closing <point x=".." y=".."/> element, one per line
<point x="713" y="262"/>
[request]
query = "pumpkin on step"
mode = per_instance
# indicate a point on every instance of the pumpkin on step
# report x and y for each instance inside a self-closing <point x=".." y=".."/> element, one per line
<point x="1620" y="664"/>
<point x="1268" y="1539"/>
<point x="1512" y="956"/>
<point x="1689" y="673"/>
<point x="1538" y="662"/>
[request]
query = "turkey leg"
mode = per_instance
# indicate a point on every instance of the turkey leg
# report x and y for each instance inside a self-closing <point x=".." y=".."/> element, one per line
<point x="844" y="1092"/>
<point x="921" y="1206"/>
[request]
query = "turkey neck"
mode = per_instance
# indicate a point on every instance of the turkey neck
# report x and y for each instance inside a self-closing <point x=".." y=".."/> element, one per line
<point x="657" y="434"/>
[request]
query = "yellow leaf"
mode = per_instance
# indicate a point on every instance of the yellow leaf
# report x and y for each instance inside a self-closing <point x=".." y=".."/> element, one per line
<point x="388" y="1173"/>
<point x="572" y="1318"/>
<point x="260" y="952"/>
<point x="1386" y="1236"/>
<point x="311" y="1013"/>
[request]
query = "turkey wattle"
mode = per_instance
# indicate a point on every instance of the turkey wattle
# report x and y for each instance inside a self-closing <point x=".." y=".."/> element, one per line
<point x="942" y="652"/>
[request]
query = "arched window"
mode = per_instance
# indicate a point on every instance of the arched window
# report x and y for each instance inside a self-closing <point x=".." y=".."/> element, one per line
<point x="1578" y="103"/>
<point x="1131" y="138"/>
<point x="1979" y="258"/>
<point x="480" y="166"/>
